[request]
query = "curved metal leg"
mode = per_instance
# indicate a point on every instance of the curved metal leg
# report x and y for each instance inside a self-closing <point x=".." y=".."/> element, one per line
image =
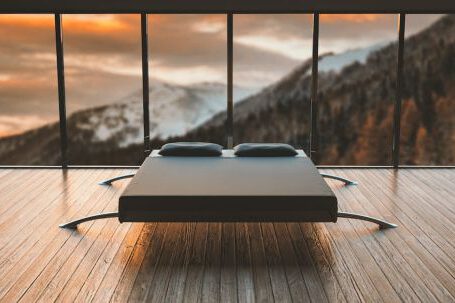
<point x="109" y="181"/>
<point x="75" y="223"/>
<point x="346" y="181"/>
<point x="381" y="223"/>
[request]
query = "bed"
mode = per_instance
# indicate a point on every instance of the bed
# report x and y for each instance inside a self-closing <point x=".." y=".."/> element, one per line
<point x="228" y="189"/>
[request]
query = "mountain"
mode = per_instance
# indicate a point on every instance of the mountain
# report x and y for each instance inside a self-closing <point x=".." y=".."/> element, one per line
<point x="356" y="106"/>
<point x="174" y="110"/>
<point x="336" y="62"/>
<point x="355" y="111"/>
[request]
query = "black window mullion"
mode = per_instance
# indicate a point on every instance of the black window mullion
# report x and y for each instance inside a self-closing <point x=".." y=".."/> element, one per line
<point x="230" y="87"/>
<point x="61" y="90"/>
<point x="313" y="132"/>
<point x="399" y="92"/>
<point x="145" y="82"/>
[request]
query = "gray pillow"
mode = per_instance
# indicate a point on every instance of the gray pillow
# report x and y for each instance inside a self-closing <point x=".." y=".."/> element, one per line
<point x="191" y="149"/>
<point x="264" y="150"/>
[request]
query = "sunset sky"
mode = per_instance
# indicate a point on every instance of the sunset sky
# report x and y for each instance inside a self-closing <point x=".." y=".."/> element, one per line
<point x="103" y="59"/>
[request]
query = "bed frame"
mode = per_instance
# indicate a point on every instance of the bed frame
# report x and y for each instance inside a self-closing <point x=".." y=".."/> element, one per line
<point x="228" y="189"/>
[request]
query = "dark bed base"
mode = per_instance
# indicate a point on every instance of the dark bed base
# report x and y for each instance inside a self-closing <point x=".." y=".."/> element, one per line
<point x="382" y="224"/>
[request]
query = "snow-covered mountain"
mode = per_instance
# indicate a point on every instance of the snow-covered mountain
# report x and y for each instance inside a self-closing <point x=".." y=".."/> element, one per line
<point x="336" y="62"/>
<point x="174" y="110"/>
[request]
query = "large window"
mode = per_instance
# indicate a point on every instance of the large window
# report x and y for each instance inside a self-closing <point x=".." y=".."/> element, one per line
<point x="188" y="86"/>
<point x="428" y="110"/>
<point x="188" y="89"/>
<point x="103" y="89"/>
<point x="357" y="85"/>
<point x="272" y="64"/>
<point x="29" y="133"/>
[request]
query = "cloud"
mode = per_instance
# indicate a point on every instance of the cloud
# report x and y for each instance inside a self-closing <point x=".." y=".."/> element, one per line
<point x="211" y="24"/>
<point x="351" y="18"/>
<point x="294" y="48"/>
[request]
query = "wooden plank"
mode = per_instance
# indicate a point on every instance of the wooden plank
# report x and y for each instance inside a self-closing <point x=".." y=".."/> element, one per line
<point x="423" y="282"/>
<point x="423" y="193"/>
<point x="350" y="261"/>
<point x="113" y="260"/>
<point x="424" y="230"/>
<point x="21" y="212"/>
<point x="91" y="270"/>
<point x="212" y="270"/>
<point x="414" y="205"/>
<point x="295" y="280"/>
<point x="69" y="256"/>
<point x="398" y="272"/>
<point x="192" y="291"/>
<point x="176" y="235"/>
<point x="437" y="190"/>
<point x="29" y="260"/>
<point x="11" y="180"/>
<point x="148" y="266"/>
<point x="47" y="198"/>
<point x="5" y="174"/>
<point x="262" y="284"/>
<point x="416" y="254"/>
<point x="174" y="292"/>
<point x="25" y="225"/>
<point x="80" y="263"/>
<point x="322" y="257"/>
<point x="13" y="184"/>
<point x="280" y="286"/>
<point x="307" y="243"/>
<point x="245" y="284"/>
<point x="50" y="246"/>
<point x="366" y="273"/>
<point x="8" y="177"/>
<point x="125" y="268"/>
<point x="228" y="290"/>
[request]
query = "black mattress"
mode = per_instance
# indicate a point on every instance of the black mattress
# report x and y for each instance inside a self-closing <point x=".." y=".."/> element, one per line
<point x="228" y="188"/>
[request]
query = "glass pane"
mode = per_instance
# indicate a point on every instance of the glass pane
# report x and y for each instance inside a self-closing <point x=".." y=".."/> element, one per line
<point x="428" y="110"/>
<point x="103" y="89"/>
<point x="29" y="134"/>
<point x="187" y="78"/>
<point x="272" y="63"/>
<point x="357" y="83"/>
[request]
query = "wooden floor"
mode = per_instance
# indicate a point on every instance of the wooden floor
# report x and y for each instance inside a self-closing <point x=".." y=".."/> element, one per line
<point x="351" y="261"/>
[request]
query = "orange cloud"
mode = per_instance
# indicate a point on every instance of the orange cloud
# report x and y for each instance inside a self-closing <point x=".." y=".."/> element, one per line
<point x="153" y="19"/>
<point x="355" y="18"/>
<point x="32" y="21"/>
<point x="115" y="23"/>
<point x="72" y="23"/>
<point x="97" y="24"/>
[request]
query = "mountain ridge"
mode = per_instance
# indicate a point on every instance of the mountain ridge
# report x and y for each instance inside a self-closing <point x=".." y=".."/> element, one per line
<point x="355" y="106"/>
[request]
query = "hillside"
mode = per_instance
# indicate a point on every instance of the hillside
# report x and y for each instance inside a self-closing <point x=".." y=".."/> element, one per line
<point x="356" y="106"/>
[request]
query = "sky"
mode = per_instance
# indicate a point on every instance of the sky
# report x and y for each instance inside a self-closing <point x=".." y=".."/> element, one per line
<point x="103" y="55"/>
